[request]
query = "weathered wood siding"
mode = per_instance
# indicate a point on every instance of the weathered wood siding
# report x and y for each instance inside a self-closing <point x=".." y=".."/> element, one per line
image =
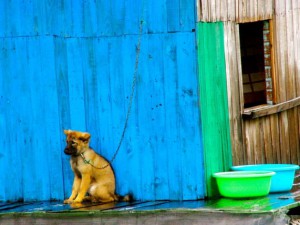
<point x="287" y="48"/>
<point x="273" y="138"/>
<point x="69" y="65"/>
<point x="234" y="10"/>
<point x="235" y="95"/>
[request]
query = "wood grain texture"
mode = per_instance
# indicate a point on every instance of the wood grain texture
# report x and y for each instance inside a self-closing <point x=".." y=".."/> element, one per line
<point x="213" y="101"/>
<point x="235" y="96"/>
<point x="272" y="133"/>
<point x="234" y="10"/>
<point x="69" y="65"/>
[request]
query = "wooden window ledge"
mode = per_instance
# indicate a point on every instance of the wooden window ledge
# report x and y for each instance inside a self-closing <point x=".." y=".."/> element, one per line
<point x="265" y="110"/>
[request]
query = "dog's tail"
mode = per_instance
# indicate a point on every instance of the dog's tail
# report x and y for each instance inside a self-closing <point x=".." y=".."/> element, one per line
<point x="125" y="198"/>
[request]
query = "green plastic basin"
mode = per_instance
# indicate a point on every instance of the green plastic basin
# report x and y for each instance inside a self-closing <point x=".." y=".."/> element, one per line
<point x="244" y="184"/>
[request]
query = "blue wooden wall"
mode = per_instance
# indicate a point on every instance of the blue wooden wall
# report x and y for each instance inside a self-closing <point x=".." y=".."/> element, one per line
<point x="69" y="65"/>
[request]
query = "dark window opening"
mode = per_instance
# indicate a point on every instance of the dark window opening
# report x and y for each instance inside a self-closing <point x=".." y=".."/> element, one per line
<point x="256" y="63"/>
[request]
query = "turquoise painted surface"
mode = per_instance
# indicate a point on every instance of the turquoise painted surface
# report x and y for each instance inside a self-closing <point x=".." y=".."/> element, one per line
<point x="69" y="65"/>
<point x="213" y="102"/>
<point x="81" y="18"/>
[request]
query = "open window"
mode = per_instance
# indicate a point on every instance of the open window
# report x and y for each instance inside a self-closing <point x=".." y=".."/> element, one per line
<point x="255" y="44"/>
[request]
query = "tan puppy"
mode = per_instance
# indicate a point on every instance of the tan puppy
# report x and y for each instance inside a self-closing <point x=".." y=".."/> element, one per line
<point x="92" y="173"/>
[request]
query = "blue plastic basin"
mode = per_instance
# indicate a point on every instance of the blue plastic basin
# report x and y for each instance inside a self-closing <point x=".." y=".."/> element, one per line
<point x="283" y="179"/>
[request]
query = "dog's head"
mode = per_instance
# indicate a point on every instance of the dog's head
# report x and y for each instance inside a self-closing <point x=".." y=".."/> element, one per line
<point x="77" y="142"/>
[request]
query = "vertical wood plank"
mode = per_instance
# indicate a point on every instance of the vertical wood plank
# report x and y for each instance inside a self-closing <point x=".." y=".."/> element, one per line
<point x="202" y="10"/>
<point x="12" y="105"/>
<point x="296" y="49"/>
<point x="144" y="120"/>
<point x="280" y="34"/>
<point x="104" y="18"/>
<point x="267" y="140"/>
<point x="104" y="98"/>
<point x="293" y="121"/>
<point x="297" y="159"/>
<point x="118" y="15"/>
<point x="181" y="15"/>
<point x="62" y="84"/>
<point x="76" y="22"/>
<point x="131" y="140"/>
<point x="187" y="15"/>
<point x="260" y="147"/>
<point x="290" y="70"/>
<point x="235" y="97"/>
<point x="173" y="11"/>
<point x="4" y="129"/>
<point x="90" y="13"/>
<point x="41" y="184"/>
<point x="134" y="13"/>
<point x="91" y="92"/>
<point x="118" y="112"/>
<point x="249" y="142"/>
<point x="155" y="13"/>
<point x="275" y="136"/>
<point x="213" y="100"/>
<point x="188" y="117"/>
<point x="172" y="133"/>
<point x="157" y="111"/>
<point x="284" y="137"/>
<point x="76" y="85"/>
<point x="31" y="157"/>
<point x="50" y="116"/>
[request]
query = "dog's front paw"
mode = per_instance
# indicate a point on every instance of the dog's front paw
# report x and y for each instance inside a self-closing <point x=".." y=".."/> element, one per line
<point x="77" y="200"/>
<point x="68" y="201"/>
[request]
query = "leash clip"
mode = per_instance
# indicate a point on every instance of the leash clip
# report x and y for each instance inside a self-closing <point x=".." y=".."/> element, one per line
<point x="84" y="159"/>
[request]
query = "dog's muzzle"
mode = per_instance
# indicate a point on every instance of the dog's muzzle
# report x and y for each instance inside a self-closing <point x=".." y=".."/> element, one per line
<point x="69" y="150"/>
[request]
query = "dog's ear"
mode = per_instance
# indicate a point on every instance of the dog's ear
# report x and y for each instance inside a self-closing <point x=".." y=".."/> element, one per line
<point x="85" y="137"/>
<point x="67" y="132"/>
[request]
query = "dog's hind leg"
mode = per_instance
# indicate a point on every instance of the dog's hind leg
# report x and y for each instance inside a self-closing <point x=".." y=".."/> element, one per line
<point x="100" y="193"/>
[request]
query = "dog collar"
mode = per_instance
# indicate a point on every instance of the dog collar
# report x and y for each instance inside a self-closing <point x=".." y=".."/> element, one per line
<point x="84" y="159"/>
<point x="91" y="163"/>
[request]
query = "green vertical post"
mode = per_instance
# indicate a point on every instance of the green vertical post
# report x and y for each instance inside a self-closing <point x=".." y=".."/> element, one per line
<point x="213" y="102"/>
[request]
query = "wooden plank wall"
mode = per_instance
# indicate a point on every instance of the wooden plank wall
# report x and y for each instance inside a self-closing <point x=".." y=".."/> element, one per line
<point x="287" y="74"/>
<point x="234" y="92"/>
<point x="69" y="65"/>
<point x="273" y="138"/>
<point x="234" y="10"/>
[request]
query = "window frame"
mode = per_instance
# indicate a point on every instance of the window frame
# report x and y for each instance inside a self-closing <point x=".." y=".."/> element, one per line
<point x="268" y="66"/>
<point x="266" y="109"/>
